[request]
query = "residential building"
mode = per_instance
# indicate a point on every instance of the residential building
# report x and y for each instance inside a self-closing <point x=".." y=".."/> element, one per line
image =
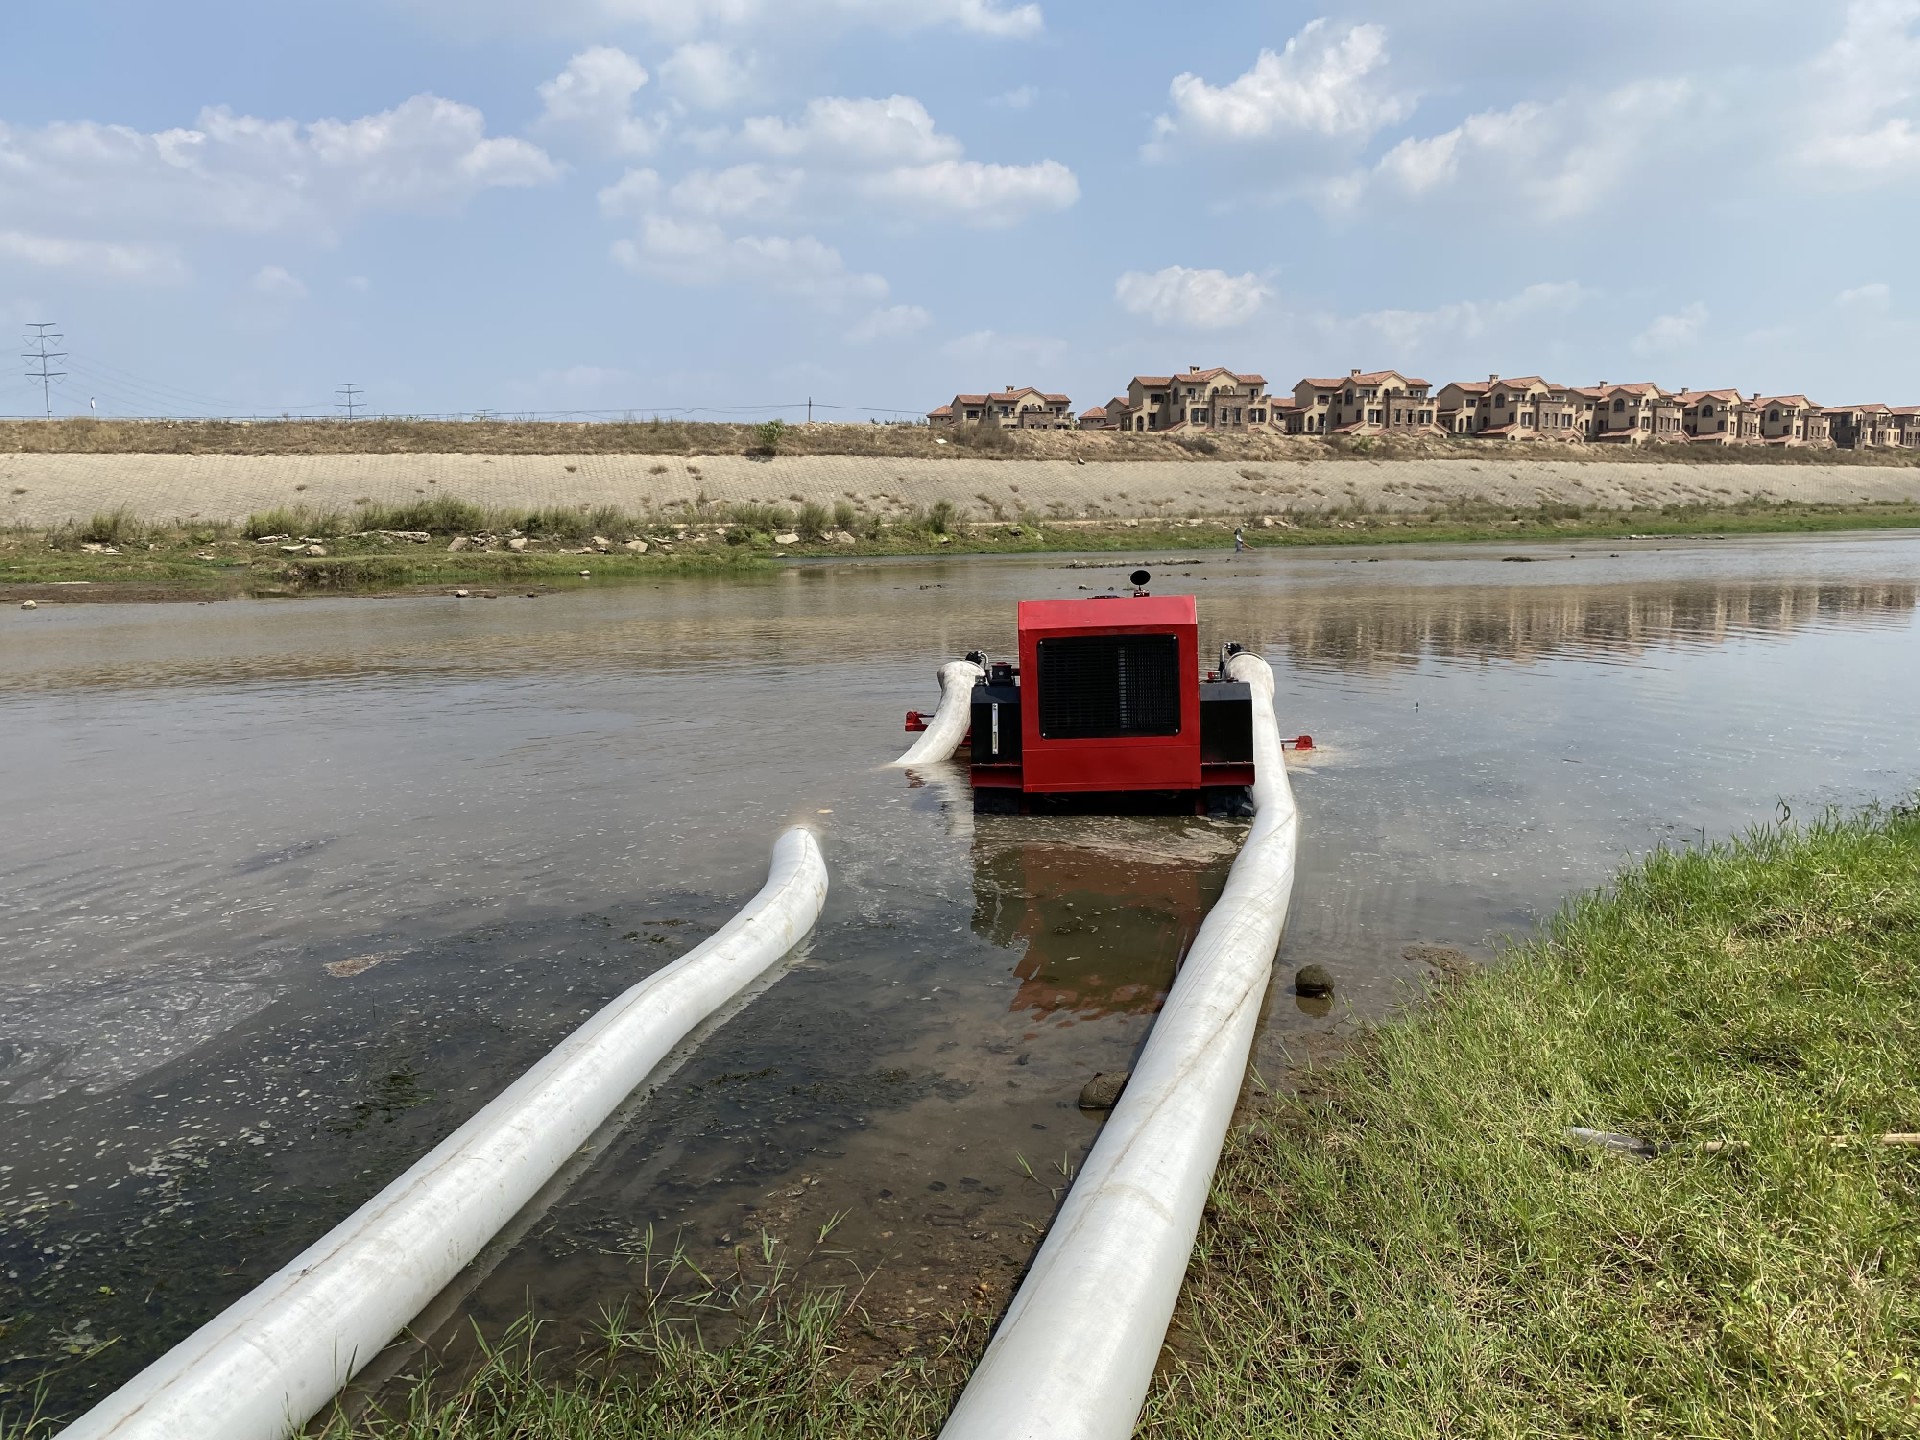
<point x="1523" y="407"/>
<point x="1719" y="417"/>
<point x="1906" y="426"/>
<point x="1021" y="408"/>
<point x="1312" y="404"/>
<point x="1637" y="414"/>
<point x="1216" y="399"/>
<point x="1096" y="419"/>
<point x="1791" y="421"/>
<point x="1366" y="403"/>
<point x="1863" y="427"/>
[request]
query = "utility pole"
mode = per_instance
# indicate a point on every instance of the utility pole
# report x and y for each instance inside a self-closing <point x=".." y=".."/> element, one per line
<point x="809" y="409"/>
<point x="40" y="358"/>
<point x="350" y="400"/>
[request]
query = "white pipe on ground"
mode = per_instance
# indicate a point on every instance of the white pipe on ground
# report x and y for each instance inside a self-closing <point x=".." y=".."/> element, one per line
<point x="950" y="720"/>
<point x="259" y="1369"/>
<point x="1073" y="1357"/>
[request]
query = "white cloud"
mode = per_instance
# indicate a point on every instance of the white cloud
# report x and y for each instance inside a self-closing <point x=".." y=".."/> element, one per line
<point x="1417" y="330"/>
<point x="701" y="253"/>
<point x="1874" y="297"/>
<point x="276" y="283"/>
<point x="592" y="101"/>
<point x="1559" y="159"/>
<point x="977" y="193"/>
<point x="1019" y="98"/>
<point x="689" y="19"/>
<point x="742" y="190"/>
<point x="1871" y="69"/>
<point x="892" y="322"/>
<point x="1323" y="83"/>
<point x="835" y="130"/>
<point x="110" y="260"/>
<point x="1192" y="299"/>
<point x="238" y="172"/>
<point x="1672" y="332"/>
<point x="707" y="74"/>
<point x="632" y="193"/>
<point x="359" y="284"/>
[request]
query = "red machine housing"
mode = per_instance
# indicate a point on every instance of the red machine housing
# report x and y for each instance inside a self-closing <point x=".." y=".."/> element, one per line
<point x="1107" y="700"/>
<point x="1064" y="764"/>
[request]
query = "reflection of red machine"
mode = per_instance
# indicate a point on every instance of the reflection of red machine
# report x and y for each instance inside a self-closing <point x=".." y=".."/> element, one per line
<point x="1102" y="933"/>
<point x="1107" y="705"/>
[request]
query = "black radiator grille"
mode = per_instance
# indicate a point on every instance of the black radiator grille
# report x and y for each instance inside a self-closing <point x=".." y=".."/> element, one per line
<point x="1095" y="687"/>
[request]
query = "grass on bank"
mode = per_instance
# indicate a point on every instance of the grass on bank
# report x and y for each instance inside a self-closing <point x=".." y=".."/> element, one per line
<point x="454" y="541"/>
<point x="1415" y="1249"/>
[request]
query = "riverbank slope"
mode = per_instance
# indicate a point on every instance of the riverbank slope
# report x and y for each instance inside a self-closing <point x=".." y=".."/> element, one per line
<point x="45" y="490"/>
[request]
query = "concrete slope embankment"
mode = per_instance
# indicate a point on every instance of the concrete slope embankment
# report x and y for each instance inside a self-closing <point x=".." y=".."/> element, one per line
<point x="43" y="490"/>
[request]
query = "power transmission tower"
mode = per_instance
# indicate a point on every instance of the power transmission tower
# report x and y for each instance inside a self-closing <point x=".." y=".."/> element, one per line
<point x="350" y="400"/>
<point x="40" y="358"/>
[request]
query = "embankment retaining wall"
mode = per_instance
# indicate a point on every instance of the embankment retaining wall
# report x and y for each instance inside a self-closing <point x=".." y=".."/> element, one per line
<point x="42" y="490"/>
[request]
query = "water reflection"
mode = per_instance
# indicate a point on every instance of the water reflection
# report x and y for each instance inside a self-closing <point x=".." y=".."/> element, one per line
<point x="1099" y="912"/>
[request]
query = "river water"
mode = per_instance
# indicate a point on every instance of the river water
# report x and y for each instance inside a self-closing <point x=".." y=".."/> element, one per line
<point x="292" y="887"/>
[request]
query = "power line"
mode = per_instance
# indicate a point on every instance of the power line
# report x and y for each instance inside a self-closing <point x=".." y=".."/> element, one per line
<point x="44" y="357"/>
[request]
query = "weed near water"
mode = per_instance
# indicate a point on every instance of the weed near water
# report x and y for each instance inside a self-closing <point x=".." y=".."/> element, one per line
<point x="737" y="1356"/>
<point x="1415" y="1247"/>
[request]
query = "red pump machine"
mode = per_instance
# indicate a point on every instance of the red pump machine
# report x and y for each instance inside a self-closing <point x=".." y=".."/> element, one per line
<point x="1107" y="709"/>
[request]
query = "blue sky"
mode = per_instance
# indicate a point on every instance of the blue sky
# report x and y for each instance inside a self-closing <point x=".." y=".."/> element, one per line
<point x="659" y="205"/>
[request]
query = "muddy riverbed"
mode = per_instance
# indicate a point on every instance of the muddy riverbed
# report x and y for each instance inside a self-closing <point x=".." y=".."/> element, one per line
<point x="292" y="887"/>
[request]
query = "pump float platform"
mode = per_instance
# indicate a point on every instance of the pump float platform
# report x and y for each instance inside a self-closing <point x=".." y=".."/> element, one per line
<point x="1107" y="709"/>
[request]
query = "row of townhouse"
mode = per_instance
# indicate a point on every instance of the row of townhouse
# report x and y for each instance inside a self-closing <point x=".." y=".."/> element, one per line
<point x="1382" y="403"/>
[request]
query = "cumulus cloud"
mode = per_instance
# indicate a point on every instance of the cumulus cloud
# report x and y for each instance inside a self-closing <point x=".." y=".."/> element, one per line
<point x="707" y="74"/>
<point x="1417" y="330"/>
<point x="591" y="101"/>
<point x="1860" y="84"/>
<point x="1672" y="332"/>
<point x="631" y="194"/>
<point x="1873" y="297"/>
<point x="892" y="322"/>
<point x="1559" y="159"/>
<point x="835" y="130"/>
<point x="701" y="253"/>
<point x="241" y="173"/>
<point x="1192" y="299"/>
<point x="1325" y="82"/>
<point x="95" y="259"/>
<point x="977" y="193"/>
<point x="276" y="283"/>
<point x="890" y="151"/>
<point x="741" y="190"/>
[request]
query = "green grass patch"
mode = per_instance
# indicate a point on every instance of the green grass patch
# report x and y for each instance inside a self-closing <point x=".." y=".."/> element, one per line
<point x="1415" y="1248"/>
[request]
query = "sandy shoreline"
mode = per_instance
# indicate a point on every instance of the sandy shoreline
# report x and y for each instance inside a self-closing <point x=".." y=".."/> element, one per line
<point x="39" y="490"/>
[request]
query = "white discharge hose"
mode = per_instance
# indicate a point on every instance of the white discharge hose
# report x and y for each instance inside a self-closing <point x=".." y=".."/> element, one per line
<point x="262" y="1367"/>
<point x="1073" y="1357"/>
<point x="950" y="720"/>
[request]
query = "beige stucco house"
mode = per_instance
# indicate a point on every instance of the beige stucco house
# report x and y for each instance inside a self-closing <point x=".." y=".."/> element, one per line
<point x="1021" y="408"/>
<point x="1216" y="399"/>
<point x="1637" y="414"/>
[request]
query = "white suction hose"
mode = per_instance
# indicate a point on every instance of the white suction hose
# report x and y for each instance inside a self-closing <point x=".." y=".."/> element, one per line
<point x="259" y="1369"/>
<point x="1073" y="1357"/>
<point x="949" y="724"/>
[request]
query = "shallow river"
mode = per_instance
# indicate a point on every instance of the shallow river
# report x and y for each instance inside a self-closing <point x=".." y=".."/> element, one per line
<point x="292" y="887"/>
